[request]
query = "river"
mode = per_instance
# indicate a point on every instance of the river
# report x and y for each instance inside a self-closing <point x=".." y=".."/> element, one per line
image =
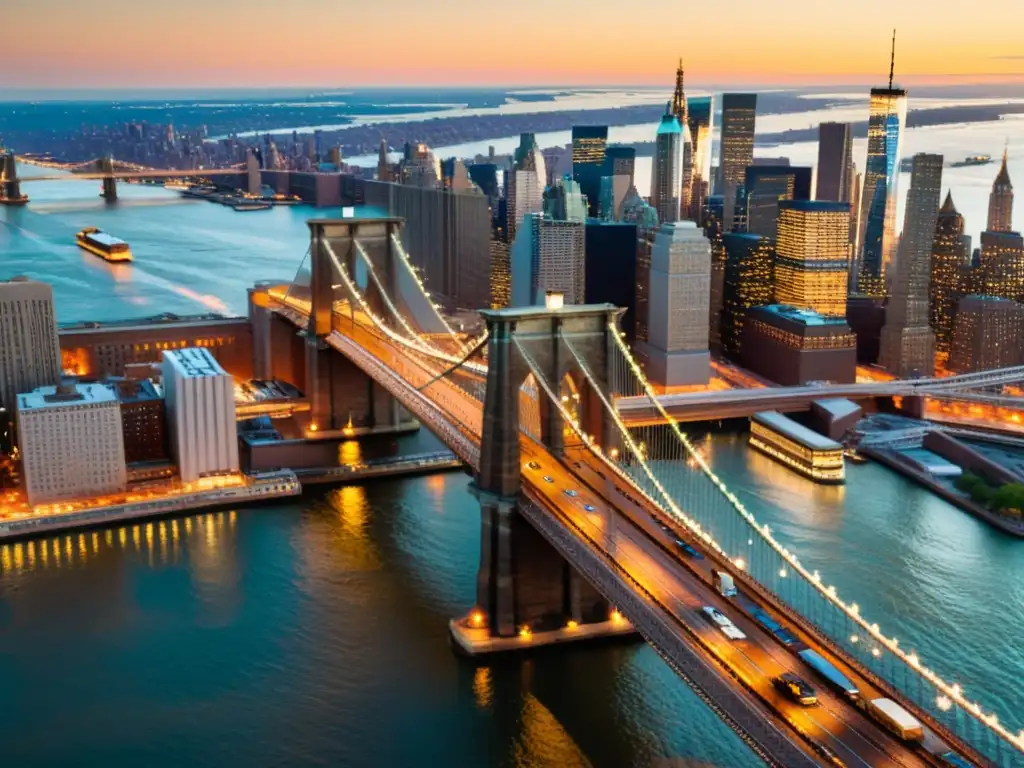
<point x="313" y="631"/>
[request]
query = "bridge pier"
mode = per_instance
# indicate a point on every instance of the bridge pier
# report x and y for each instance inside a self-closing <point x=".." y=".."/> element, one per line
<point x="10" y="188"/>
<point x="109" y="189"/>
<point x="527" y="593"/>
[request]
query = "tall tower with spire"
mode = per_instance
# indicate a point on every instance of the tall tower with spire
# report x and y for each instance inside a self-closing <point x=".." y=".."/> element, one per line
<point x="679" y="109"/>
<point x="383" y="163"/>
<point x="666" y="183"/>
<point x="877" y="237"/>
<point x="1000" y="201"/>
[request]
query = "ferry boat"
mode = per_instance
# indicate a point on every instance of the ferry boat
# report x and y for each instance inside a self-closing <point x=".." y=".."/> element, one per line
<point x="973" y="160"/>
<point x="798" y="447"/>
<point x="105" y="246"/>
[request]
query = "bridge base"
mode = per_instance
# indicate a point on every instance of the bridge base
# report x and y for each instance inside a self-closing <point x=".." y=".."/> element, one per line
<point x="14" y="201"/>
<point x="478" y="641"/>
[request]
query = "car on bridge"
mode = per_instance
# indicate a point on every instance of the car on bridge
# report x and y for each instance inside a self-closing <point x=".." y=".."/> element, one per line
<point x="589" y="508"/>
<point x="533" y="465"/>
<point x="689" y="550"/>
<point x="793" y="687"/>
<point x="570" y="493"/>
<point x="723" y="622"/>
<point x="548" y="479"/>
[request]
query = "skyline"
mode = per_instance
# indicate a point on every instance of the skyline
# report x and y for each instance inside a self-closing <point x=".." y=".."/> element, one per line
<point x="784" y="45"/>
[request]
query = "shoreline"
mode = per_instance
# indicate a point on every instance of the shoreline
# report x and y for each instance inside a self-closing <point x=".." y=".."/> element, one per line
<point x="996" y="521"/>
<point x="289" y="484"/>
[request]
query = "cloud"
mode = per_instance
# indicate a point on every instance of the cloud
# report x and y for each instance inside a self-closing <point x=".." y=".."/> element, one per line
<point x="1015" y="57"/>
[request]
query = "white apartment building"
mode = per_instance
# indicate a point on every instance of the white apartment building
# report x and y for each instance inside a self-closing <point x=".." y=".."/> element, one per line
<point x="71" y="443"/>
<point x="200" y="401"/>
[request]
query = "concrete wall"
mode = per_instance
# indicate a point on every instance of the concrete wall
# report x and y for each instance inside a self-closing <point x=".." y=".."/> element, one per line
<point x="966" y="457"/>
<point x="291" y="454"/>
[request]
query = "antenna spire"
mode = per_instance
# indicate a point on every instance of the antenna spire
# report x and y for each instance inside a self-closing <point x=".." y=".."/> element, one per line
<point x="892" y="59"/>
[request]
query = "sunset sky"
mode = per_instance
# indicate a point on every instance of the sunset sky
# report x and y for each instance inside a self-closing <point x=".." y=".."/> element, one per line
<point x="232" y="43"/>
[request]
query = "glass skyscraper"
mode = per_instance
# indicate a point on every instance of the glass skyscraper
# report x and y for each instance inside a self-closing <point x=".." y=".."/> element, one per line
<point x="589" y="143"/>
<point x="739" y="111"/>
<point x="810" y="260"/>
<point x="666" y="173"/>
<point x="881" y="181"/>
<point x="700" y="116"/>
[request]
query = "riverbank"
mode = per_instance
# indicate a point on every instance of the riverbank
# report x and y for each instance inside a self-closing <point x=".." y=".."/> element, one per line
<point x="265" y="487"/>
<point x="886" y="458"/>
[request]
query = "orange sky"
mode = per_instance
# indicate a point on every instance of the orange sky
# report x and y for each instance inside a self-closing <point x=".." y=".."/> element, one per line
<point x="213" y="43"/>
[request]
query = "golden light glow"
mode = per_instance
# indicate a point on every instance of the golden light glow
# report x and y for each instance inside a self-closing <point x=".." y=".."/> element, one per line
<point x="616" y="616"/>
<point x="571" y="624"/>
<point x="525" y="633"/>
<point x="476" y="618"/>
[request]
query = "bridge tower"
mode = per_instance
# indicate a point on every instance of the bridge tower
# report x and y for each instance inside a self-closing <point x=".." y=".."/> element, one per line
<point x="106" y="165"/>
<point x="10" y="189"/>
<point x="522" y="580"/>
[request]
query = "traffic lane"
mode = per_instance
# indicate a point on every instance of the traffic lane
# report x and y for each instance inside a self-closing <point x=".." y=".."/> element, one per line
<point x="669" y="594"/>
<point x="854" y="721"/>
<point x="847" y="728"/>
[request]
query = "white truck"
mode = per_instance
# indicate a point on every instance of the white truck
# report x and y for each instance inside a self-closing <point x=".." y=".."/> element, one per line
<point x="724" y="583"/>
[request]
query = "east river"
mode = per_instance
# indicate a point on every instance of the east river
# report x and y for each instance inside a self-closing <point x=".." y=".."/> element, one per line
<point x="313" y="631"/>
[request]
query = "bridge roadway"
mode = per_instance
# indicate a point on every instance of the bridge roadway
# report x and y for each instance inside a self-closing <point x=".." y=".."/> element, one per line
<point x="156" y="173"/>
<point x="655" y="582"/>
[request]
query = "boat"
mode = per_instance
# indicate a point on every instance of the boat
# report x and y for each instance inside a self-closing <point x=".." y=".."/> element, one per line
<point x="852" y="455"/>
<point x="255" y="206"/>
<point x="105" y="246"/>
<point x="973" y="160"/>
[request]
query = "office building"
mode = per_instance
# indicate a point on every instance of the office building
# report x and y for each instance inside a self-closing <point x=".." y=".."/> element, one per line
<point x="548" y="255"/>
<point x="711" y="219"/>
<point x="589" y="144"/>
<point x="739" y="111"/>
<point x="564" y="201"/>
<point x="610" y="270"/>
<point x="764" y="187"/>
<point x="455" y="176"/>
<point x="200" y="403"/>
<point x="29" y="350"/>
<point x="857" y="179"/>
<point x="679" y="109"/>
<point x="614" y="191"/>
<point x="866" y="317"/>
<point x="420" y="167"/>
<point x="835" y="162"/>
<point x="666" y="180"/>
<point x="700" y="117"/>
<point x="908" y="342"/>
<point x="746" y="283"/>
<point x="987" y="334"/>
<point x="794" y="347"/>
<point x="877" y="238"/>
<point x="488" y="179"/>
<point x="446" y="234"/>
<point x="1000" y="201"/>
<point x="637" y="211"/>
<point x="676" y="349"/>
<point x="71" y="443"/>
<point x="620" y="161"/>
<point x="143" y="421"/>
<point x="949" y="260"/>
<point x="526" y="183"/>
<point x="811" y="256"/>
<point x="1000" y="270"/>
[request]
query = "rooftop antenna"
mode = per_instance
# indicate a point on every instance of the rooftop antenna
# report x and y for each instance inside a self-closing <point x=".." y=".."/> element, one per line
<point x="892" y="59"/>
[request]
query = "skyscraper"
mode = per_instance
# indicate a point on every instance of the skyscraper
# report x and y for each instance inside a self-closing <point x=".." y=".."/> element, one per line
<point x="676" y="350"/>
<point x="1000" y="201"/>
<point x="455" y="176"/>
<point x="29" y="349"/>
<point x="811" y="256"/>
<point x="420" y="167"/>
<point x="548" y="255"/>
<point x="679" y="109"/>
<point x="908" y="342"/>
<point x="835" y="162"/>
<point x="526" y="182"/>
<point x="747" y="283"/>
<point x="877" y="236"/>
<point x="764" y="187"/>
<point x="949" y="258"/>
<point x="383" y="163"/>
<point x="564" y="201"/>
<point x="589" y="144"/>
<point x="665" y="173"/>
<point x="611" y="268"/>
<point x="1000" y="270"/>
<point x="711" y="218"/>
<point x="739" y="111"/>
<point x="620" y="161"/>
<point x="700" y="116"/>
